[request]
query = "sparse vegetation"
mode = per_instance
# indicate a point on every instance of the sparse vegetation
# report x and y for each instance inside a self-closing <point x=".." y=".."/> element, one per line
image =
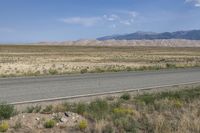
<point x="169" y="112"/>
<point x="53" y="60"/>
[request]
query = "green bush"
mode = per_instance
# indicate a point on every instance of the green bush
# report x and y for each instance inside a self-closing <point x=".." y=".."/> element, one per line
<point x="98" y="109"/>
<point x="4" y="126"/>
<point x="6" y="111"/>
<point x="83" y="125"/>
<point x="49" y="124"/>
<point x="126" y="96"/>
<point x="81" y="108"/>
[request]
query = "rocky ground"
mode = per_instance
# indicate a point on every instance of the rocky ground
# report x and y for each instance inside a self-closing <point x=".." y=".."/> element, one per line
<point x="34" y="122"/>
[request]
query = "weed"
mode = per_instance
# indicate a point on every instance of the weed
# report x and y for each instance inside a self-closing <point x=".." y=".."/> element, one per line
<point x="83" y="125"/>
<point x="49" y="124"/>
<point x="4" y="126"/>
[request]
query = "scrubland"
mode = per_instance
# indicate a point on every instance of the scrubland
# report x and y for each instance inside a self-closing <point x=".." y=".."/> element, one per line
<point x="24" y="60"/>
<point x="162" y="112"/>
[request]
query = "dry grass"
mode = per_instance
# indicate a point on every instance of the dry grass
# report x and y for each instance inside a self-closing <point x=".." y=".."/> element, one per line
<point x="44" y="60"/>
<point x="162" y="112"/>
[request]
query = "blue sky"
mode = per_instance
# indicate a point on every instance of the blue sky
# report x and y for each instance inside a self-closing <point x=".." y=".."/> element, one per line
<point x="60" y="20"/>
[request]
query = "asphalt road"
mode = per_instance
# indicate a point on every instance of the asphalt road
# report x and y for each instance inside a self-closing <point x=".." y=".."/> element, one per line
<point x="37" y="88"/>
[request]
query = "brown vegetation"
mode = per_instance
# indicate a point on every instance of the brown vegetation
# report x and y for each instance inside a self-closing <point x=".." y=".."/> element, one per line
<point x="45" y="60"/>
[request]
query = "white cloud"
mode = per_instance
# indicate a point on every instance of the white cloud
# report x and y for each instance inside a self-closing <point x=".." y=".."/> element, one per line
<point x="195" y="2"/>
<point x="125" y="22"/>
<point x="113" y="20"/>
<point x="112" y="17"/>
<point x="85" y="21"/>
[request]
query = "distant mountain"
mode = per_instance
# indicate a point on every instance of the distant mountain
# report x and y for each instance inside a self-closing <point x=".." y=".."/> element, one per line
<point x="189" y="35"/>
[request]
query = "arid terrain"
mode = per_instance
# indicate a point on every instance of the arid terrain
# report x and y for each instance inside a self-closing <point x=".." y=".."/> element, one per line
<point x="164" y="111"/>
<point x="33" y="60"/>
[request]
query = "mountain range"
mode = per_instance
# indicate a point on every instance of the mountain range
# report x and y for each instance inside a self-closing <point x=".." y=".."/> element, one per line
<point x="188" y="35"/>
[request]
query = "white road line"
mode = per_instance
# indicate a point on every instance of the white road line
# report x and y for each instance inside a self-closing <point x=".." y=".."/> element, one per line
<point x="98" y="94"/>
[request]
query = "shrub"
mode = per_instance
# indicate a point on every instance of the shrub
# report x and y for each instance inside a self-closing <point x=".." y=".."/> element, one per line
<point x="146" y="98"/>
<point x="128" y="69"/>
<point x="48" y="109"/>
<point x="83" y="125"/>
<point x="53" y="71"/>
<point x="4" y="126"/>
<point x="126" y="124"/>
<point x="98" y="109"/>
<point x="6" y="111"/>
<point x="30" y="109"/>
<point x="126" y="96"/>
<point x="49" y="124"/>
<point x="168" y="65"/>
<point x="84" y="71"/>
<point x="66" y="106"/>
<point x="81" y="108"/>
<point x="99" y="70"/>
<point x="108" y="129"/>
<point x="37" y="108"/>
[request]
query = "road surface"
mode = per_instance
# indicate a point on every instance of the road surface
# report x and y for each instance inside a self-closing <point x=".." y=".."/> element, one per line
<point x="36" y="88"/>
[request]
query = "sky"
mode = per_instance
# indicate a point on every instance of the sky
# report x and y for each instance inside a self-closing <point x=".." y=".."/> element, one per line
<point x="24" y="21"/>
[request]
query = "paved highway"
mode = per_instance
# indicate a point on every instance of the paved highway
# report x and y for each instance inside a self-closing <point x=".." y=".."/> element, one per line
<point x="37" y="88"/>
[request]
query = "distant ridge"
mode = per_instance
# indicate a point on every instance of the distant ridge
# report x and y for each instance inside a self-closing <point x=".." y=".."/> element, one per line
<point x="188" y="35"/>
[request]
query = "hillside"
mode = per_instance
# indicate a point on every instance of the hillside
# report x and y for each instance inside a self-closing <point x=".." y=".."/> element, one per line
<point x="189" y="35"/>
